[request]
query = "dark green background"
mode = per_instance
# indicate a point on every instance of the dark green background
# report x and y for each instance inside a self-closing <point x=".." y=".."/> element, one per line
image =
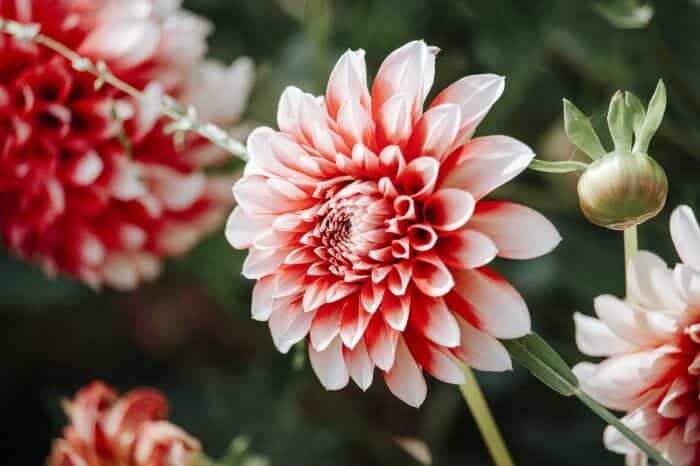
<point x="190" y="334"/>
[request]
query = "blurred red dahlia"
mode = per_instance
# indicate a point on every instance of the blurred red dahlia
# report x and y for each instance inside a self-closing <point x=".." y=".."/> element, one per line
<point x="90" y="185"/>
<point x="366" y="228"/>
<point x="108" y="430"/>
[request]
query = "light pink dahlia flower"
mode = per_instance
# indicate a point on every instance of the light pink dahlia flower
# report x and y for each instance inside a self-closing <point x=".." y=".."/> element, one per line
<point x="89" y="184"/>
<point x="651" y="343"/>
<point x="108" y="430"/>
<point x="366" y="229"/>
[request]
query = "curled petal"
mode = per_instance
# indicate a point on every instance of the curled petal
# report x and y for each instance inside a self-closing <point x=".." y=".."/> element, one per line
<point x="431" y="275"/>
<point x="449" y="209"/>
<point x="466" y="249"/>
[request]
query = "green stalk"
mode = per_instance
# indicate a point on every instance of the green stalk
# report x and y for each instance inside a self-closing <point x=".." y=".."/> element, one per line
<point x="484" y="419"/>
<point x="631" y="247"/>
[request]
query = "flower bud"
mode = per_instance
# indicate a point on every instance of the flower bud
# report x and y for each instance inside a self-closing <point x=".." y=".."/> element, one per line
<point x="622" y="189"/>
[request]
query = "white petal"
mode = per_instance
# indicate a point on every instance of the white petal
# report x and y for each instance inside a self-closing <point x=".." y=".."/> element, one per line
<point x="405" y="379"/>
<point x="485" y="163"/>
<point x="594" y="338"/>
<point x="242" y="229"/>
<point x="329" y="365"/>
<point x="359" y="365"/>
<point x="475" y="96"/>
<point x="487" y="299"/>
<point x="686" y="236"/>
<point x="481" y="351"/>
<point x="517" y="231"/>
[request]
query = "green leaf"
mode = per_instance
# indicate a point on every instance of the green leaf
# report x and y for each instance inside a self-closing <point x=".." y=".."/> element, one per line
<point x="564" y="166"/>
<point x="636" y="111"/>
<point x="535" y="354"/>
<point x="654" y="116"/>
<point x="620" y="123"/>
<point x="625" y="14"/>
<point x="580" y="131"/>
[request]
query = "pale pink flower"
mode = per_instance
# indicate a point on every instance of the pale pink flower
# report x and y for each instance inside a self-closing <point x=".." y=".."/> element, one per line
<point x="90" y="186"/>
<point x="367" y="230"/>
<point x="651" y="343"/>
<point x="108" y="430"/>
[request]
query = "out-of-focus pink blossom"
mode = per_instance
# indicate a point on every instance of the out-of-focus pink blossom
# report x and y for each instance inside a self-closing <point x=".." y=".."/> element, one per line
<point x="90" y="186"/>
<point x="367" y="230"/>
<point x="651" y="344"/>
<point x="108" y="430"/>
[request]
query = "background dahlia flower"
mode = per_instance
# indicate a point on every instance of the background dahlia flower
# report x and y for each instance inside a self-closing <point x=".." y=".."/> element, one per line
<point x="651" y="343"/>
<point x="90" y="185"/>
<point x="108" y="430"/>
<point x="367" y="230"/>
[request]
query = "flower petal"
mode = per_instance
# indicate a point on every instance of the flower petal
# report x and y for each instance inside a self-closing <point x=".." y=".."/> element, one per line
<point x="475" y="96"/>
<point x="348" y="80"/>
<point x="329" y="365"/>
<point x="449" y="209"/>
<point x="487" y="301"/>
<point x="381" y="342"/>
<point x="438" y="361"/>
<point x="481" y="351"/>
<point x="485" y="163"/>
<point x="325" y="326"/>
<point x="359" y="365"/>
<point x="432" y="319"/>
<point x="242" y="229"/>
<point x="518" y="231"/>
<point x="405" y="379"/>
<point x="594" y="338"/>
<point x="409" y="71"/>
<point x="466" y="249"/>
<point x="435" y="132"/>
<point x="686" y="236"/>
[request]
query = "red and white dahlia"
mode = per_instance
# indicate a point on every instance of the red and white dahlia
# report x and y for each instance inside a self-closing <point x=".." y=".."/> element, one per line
<point x="108" y="430"/>
<point x="651" y="343"/>
<point x="367" y="230"/>
<point x="90" y="185"/>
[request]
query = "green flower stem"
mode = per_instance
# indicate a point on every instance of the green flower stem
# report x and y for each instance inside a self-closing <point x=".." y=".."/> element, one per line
<point x="631" y="247"/>
<point x="557" y="167"/>
<point x="484" y="419"/>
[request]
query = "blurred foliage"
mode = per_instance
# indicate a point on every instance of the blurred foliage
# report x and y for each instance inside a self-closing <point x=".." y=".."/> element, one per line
<point x="189" y="334"/>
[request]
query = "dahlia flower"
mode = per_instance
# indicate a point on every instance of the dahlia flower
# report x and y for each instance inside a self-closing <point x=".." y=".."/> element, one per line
<point x="651" y="342"/>
<point x="90" y="186"/>
<point x="108" y="430"/>
<point x="367" y="230"/>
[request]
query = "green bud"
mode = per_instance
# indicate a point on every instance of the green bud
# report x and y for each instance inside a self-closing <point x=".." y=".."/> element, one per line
<point x="622" y="189"/>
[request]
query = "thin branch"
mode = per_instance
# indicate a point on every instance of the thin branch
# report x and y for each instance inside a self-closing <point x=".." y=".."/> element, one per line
<point x="184" y="118"/>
